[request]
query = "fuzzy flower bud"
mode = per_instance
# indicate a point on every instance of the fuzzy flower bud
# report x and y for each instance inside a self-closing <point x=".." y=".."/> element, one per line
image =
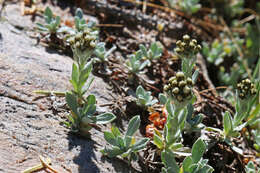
<point x="179" y="88"/>
<point x="246" y="89"/>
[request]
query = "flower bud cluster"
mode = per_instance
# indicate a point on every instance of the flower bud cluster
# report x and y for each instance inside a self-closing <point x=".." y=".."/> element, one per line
<point x="86" y="39"/>
<point x="179" y="87"/>
<point x="246" y="89"/>
<point x="187" y="46"/>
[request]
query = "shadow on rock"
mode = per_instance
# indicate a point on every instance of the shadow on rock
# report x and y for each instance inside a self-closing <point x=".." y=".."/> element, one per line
<point x="86" y="155"/>
<point x="119" y="165"/>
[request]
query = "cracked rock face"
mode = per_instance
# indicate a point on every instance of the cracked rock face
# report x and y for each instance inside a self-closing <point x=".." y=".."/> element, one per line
<point x="30" y="125"/>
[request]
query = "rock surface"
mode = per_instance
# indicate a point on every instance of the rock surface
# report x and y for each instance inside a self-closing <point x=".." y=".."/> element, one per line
<point x="31" y="126"/>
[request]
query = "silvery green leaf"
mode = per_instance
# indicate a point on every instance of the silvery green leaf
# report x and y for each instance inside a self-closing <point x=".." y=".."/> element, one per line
<point x="140" y="90"/>
<point x="227" y="122"/>
<point x="250" y="168"/>
<point x="91" y="99"/>
<point x="121" y="143"/>
<point x="115" y="131"/>
<point x="79" y="13"/>
<point x="66" y="29"/>
<point x="198" y="149"/>
<point x="138" y="55"/>
<point x="162" y="98"/>
<point x="195" y="76"/>
<point x="240" y="127"/>
<point x="169" y="162"/>
<point x="72" y="102"/>
<point x="126" y="154"/>
<point x="133" y="125"/>
<point x="89" y="110"/>
<point x="141" y="144"/>
<point x="187" y="162"/>
<point x="112" y="49"/>
<point x="105" y="118"/>
<point x="41" y="27"/>
<point x="48" y="15"/>
<point x="110" y="138"/>
<point x="115" y="151"/>
<point x="144" y="64"/>
<point x="170" y="108"/>
<point x="206" y="169"/>
<point x="143" y="49"/>
<point x="128" y="141"/>
<point x="190" y="109"/>
<point x="158" y="141"/>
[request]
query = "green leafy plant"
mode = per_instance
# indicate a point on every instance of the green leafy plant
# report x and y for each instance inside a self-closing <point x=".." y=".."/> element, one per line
<point x="135" y="64"/>
<point x="80" y="22"/>
<point x="191" y="164"/>
<point x="153" y="53"/>
<point x="82" y="117"/>
<point x="222" y="50"/>
<point x="193" y="122"/>
<point x="250" y="168"/>
<point x="52" y="23"/>
<point x="101" y="52"/>
<point x="144" y="98"/>
<point x="126" y="146"/>
<point x="246" y="95"/>
<point x="187" y="6"/>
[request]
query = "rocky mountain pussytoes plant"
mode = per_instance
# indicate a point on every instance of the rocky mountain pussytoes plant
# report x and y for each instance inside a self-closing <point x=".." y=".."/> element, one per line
<point x="51" y="25"/>
<point x="101" y="54"/>
<point x="144" y="98"/>
<point x="246" y="93"/>
<point x="187" y="49"/>
<point x="135" y="63"/>
<point x="153" y="53"/>
<point x="82" y="117"/>
<point x="125" y="145"/>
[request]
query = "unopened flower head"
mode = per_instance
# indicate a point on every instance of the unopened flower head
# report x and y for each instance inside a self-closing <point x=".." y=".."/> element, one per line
<point x="179" y="87"/>
<point x="86" y="39"/>
<point x="187" y="46"/>
<point x="246" y="89"/>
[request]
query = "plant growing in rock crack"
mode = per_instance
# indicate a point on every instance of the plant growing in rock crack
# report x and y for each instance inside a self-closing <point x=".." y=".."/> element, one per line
<point x="125" y="146"/>
<point x="144" y="98"/>
<point x="52" y="23"/>
<point x="191" y="164"/>
<point x="187" y="49"/>
<point x="82" y="117"/>
<point x="153" y="53"/>
<point x="101" y="53"/>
